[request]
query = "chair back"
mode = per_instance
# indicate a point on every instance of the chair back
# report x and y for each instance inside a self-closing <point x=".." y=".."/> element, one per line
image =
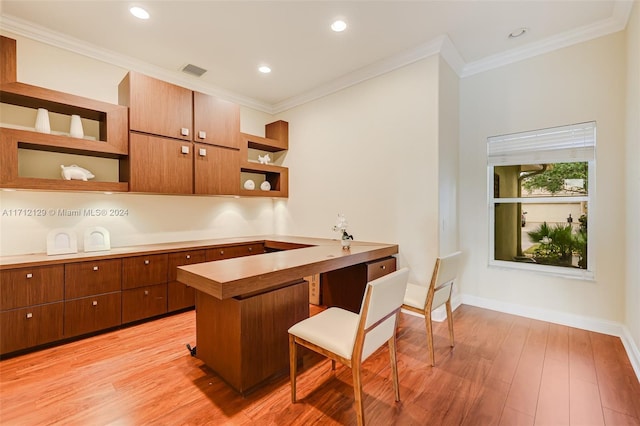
<point x="380" y="306"/>
<point x="444" y="274"/>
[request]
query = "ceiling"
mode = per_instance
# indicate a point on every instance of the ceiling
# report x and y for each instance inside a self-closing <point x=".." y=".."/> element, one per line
<point x="231" y="39"/>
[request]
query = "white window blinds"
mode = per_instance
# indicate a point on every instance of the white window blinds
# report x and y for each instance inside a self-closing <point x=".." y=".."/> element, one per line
<point x="573" y="143"/>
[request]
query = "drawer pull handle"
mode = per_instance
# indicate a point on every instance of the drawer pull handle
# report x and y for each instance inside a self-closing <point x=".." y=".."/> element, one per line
<point x="188" y="256"/>
<point x="94" y="303"/>
<point x="95" y="268"/>
<point x="29" y="275"/>
<point x="221" y="251"/>
<point x="29" y="315"/>
<point x="250" y="248"/>
<point x="383" y="267"/>
<point x="184" y="131"/>
<point x="146" y="292"/>
<point x="146" y="262"/>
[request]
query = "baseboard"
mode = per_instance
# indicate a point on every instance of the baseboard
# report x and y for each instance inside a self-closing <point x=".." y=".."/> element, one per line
<point x="585" y="323"/>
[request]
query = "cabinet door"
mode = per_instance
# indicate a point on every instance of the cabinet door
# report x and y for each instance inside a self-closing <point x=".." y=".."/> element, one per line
<point x="140" y="271"/>
<point x="217" y="170"/>
<point x="31" y="286"/>
<point x="89" y="314"/>
<point x="157" y="107"/>
<point x="215" y="121"/>
<point x="160" y="165"/>
<point x="180" y="296"/>
<point x="32" y="326"/>
<point x="144" y="302"/>
<point x="90" y="278"/>
<point x="229" y="252"/>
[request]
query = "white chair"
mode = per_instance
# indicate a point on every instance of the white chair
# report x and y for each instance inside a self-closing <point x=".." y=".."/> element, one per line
<point x="424" y="300"/>
<point x="350" y="338"/>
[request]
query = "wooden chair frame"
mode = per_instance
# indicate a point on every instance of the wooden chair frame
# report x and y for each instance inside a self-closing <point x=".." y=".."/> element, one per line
<point x="355" y="362"/>
<point x="434" y="286"/>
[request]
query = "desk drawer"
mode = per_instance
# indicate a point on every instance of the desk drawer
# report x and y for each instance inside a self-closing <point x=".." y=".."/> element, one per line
<point x="32" y="326"/>
<point x="144" y="302"/>
<point x="380" y="268"/>
<point x="229" y="252"/>
<point x="89" y="278"/>
<point x="31" y="286"/>
<point x="143" y="271"/>
<point x="89" y="314"/>
<point x="183" y="258"/>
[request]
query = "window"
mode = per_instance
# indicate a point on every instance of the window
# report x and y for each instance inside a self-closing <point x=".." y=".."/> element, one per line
<point x="540" y="199"/>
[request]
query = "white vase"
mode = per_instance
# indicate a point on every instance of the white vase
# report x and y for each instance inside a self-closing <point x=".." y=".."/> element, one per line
<point x="75" y="129"/>
<point x="42" y="121"/>
<point x="346" y="243"/>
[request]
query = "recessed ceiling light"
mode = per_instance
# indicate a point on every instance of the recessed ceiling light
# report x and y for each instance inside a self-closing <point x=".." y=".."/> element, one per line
<point x="518" y="33"/>
<point x="264" y="69"/>
<point x="139" y="12"/>
<point x="339" y="26"/>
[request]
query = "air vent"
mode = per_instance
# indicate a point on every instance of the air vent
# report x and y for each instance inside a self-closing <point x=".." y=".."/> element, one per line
<point x="193" y="70"/>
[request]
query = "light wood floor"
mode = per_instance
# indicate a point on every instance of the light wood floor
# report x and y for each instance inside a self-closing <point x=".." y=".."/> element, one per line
<point x="504" y="370"/>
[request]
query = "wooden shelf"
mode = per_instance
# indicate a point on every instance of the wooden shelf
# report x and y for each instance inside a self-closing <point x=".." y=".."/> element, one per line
<point x="278" y="178"/>
<point x="263" y="144"/>
<point x="66" y="185"/>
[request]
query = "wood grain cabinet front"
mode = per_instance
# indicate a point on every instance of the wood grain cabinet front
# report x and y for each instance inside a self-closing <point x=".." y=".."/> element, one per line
<point x="32" y="326"/>
<point x="216" y="121"/>
<point x="180" y="296"/>
<point x="140" y="271"/>
<point x="92" y="278"/>
<point x="159" y="165"/>
<point x="229" y="252"/>
<point x="24" y="287"/>
<point x="216" y="170"/>
<point x="144" y="302"/>
<point x="93" y="313"/>
<point x="157" y="107"/>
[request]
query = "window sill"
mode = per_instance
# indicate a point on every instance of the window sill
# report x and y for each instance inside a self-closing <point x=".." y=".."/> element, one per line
<point x="557" y="271"/>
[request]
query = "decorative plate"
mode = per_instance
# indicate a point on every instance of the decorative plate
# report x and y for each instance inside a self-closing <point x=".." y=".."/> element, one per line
<point x="96" y="238"/>
<point x="61" y="241"/>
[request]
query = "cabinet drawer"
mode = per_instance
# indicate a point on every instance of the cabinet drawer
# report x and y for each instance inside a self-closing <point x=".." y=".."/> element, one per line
<point x="180" y="296"/>
<point x="89" y="278"/>
<point x="229" y="252"/>
<point x="90" y="314"/>
<point x="144" y="302"/>
<point x="183" y="258"/>
<point x="31" y="286"/>
<point x="27" y="327"/>
<point x="142" y="271"/>
<point x="380" y="268"/>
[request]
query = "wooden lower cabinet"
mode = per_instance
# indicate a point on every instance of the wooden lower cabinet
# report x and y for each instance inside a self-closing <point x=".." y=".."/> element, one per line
<point x="84" y="279"/>
<point x="24" y="287"/>
<point x="91" y="314"/>
<point x="144" y="302"/>
<point x="31" y="326"/>
<point x="229" y="252"/>
<point x="345" y="287"/>
<point x="245" y="341"/>
<point x="180" y="296"/>
<point x="142" y="271"/>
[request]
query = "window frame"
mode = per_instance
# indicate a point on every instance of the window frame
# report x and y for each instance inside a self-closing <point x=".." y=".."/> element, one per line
<point x="562" y="271"/>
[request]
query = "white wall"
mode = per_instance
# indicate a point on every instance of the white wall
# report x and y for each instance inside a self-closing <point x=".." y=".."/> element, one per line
<point x="633" y="178"/>
<point x="370" y="152"/>
<point x="151" y="218"/>
<point x="575" y="84"/>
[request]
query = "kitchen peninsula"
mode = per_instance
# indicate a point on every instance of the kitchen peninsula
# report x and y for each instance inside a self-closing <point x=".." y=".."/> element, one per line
<point x="244" y="306"/>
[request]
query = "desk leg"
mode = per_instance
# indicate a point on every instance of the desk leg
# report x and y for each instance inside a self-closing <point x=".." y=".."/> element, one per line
<point x="245" y="341"/>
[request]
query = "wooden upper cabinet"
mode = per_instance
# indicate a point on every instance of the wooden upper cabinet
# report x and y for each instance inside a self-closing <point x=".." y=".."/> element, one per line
<point x="216" y="121"/>
<point x="156" y="107"/>
<point x="160" y="165"/>
<point x="216" y="170"/>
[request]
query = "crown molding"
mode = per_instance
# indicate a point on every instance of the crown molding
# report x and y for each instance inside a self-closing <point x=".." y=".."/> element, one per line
<point x="617" y="22"/>
<point x="52" y="38"/>
<point x="376" y="69"/>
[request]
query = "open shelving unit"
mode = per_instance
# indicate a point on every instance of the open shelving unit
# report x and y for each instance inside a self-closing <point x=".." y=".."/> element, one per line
<point x="276" y="141"/>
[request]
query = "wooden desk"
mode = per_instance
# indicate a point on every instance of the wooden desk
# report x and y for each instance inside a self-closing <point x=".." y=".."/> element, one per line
<point x="245" y="306"/>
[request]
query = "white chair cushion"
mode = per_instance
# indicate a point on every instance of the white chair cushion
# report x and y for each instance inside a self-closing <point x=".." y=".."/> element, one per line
<point x="334" y="329"/>
<point x="416" y="296"/>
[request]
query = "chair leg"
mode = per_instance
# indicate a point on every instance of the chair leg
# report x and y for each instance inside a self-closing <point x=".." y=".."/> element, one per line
<point x="357" y="390"/>
<point x="450" y="321"/>
<point x="427" y="319"/>
<point x="293" y="366"/>
<point x="394" y="366"/>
